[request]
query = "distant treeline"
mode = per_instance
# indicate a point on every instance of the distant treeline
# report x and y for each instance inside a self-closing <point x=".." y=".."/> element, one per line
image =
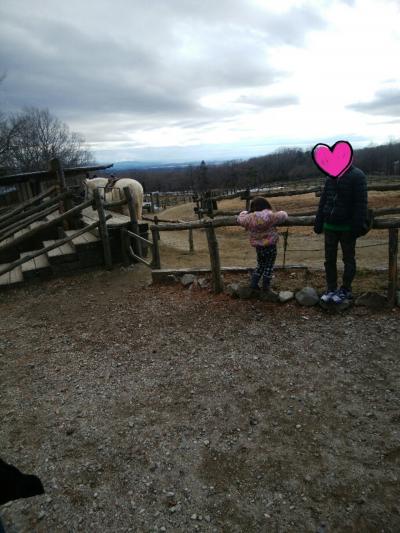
<point x="285" y="165"/>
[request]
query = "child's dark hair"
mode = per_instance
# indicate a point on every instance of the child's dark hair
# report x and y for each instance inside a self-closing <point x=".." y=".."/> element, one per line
<point x="259" y="204"/>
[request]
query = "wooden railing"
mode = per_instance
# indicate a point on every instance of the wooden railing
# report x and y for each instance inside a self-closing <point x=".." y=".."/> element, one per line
<point x="210" y="224"/>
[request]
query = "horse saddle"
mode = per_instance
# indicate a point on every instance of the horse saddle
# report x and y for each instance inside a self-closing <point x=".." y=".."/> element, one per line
<point x="111" y="183"/>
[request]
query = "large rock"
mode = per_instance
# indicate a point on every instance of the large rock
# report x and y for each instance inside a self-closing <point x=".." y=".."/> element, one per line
<point x="245" y="292"/>
<point x="307" y="296"/>
<point x="285" y="296"/>
<point x="373" y="300"/>
<point x="187" y="279"/>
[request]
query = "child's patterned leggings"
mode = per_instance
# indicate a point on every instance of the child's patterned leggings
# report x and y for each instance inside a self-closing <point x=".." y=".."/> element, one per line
<point x="266" y="256"/>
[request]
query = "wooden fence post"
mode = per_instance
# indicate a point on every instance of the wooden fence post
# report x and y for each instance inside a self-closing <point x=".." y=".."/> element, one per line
<point x="156" y="263"/>
<point x="191" y="246"/>
<point x="103" y="229"/>
<point x="66" y="205"/>
<point x="248" y="198"/>
<point x="393" y="248"/>
<point x="124" y="247"/>
<point x="214" y="258"/>
<point x="156" y="223"/>
<point x="137" y="244"/>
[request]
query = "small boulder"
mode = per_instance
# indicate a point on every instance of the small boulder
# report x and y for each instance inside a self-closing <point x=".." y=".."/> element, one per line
<point x="307" y="296"/>
<point x="373" y="300"/>
<point x="187" y="279"/>
<point x="285" y="296"/>
<point x="245" y="292"/>
<point x="233" y="290"/>
<point x="203" y="283"/>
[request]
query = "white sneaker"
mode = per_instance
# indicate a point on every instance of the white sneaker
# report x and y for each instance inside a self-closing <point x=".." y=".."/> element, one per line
<point x="338" y="297"/>
<point x="327" y="296"/>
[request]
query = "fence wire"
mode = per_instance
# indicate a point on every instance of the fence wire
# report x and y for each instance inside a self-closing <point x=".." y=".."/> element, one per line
<point x="286" y="247"/>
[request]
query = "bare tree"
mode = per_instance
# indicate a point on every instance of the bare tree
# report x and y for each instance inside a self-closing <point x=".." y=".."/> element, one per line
<point x="34" y="136"/>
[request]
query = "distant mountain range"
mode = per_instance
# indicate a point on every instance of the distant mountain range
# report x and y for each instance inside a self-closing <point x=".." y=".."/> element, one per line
<point x="135" y="165"/>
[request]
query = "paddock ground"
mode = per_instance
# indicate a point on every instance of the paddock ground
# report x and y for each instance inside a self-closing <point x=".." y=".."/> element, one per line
<point x="155" y="408"/>
<point x="304" y="247"/>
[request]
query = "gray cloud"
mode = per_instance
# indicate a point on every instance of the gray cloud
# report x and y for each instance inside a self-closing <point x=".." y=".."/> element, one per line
<point x="113" y="68"/>
<point x="269" y="101"/>
<point x="386" y="102"/>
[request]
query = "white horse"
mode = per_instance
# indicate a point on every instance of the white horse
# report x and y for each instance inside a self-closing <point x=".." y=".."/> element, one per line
<point x="115" y="192"/>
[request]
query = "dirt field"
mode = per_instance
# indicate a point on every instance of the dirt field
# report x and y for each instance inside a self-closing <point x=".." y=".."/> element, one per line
<point x="147" y="408"/>
<point x="304" y="247"/>
<point x="158" y="408"/>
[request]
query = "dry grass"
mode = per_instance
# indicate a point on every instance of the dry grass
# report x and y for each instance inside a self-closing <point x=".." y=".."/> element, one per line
<point x="304" y="247"/>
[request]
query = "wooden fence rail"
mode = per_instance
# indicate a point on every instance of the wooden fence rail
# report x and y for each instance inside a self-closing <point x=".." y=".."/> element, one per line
<point x="210" y="224"/>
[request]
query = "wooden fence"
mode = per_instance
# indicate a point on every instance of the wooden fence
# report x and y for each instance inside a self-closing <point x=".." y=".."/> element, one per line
<point x="209" y="225"/>
<point x="206" y="204"/>
<point x="37" y="207"/>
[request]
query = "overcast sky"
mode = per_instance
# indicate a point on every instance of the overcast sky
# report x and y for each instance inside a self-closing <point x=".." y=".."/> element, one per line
<point x="186" y="80"/>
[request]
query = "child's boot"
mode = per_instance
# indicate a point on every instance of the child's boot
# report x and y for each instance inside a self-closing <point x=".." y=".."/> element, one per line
<point x="254" y="280"/>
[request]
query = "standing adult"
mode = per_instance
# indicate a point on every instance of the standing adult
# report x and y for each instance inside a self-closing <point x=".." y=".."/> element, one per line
<point x="343" y="217"/>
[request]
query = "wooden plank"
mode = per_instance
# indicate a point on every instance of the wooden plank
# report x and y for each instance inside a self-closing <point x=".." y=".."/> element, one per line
<point x="19" y="233"/>
<point x="50" y="223"/>
<point x="28" y="203"/>
<point x="27" y="222"/>
<point x="64" y="249"/>
<point x="19" y="218"/>
<point x="21" y="260"/>
<point x="36" y="263"/>
<point x="12" y="277"/>
<point x="85" y="238"/>
<point x="47" y="175"/>
<point x="117" y="219"/>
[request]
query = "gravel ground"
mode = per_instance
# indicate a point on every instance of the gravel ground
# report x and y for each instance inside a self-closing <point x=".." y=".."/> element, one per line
<point x="156" y="408"/>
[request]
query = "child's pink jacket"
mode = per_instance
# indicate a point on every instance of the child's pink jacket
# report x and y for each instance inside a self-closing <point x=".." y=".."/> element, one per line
<point x="261" y="226"/>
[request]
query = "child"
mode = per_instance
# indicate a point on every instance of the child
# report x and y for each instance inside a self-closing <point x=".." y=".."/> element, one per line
<point x="260" y="223"/>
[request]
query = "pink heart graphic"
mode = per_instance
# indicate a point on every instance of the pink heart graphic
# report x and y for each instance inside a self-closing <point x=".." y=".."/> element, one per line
<point x="333" y="161"/>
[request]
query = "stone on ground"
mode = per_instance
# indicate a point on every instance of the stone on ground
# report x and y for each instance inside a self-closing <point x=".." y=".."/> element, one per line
<point x="187" y="279"/>
<point x="307" y="296"/>
<point x="373" y="300"/>
<point x="285" y="296"/>
<point x="203" y="283"/>
<point x="232" y="289"/>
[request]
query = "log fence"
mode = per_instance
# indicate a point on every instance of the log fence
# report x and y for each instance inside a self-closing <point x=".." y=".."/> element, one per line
<point x="209" y="225"/>
<point x="34" y="209"/>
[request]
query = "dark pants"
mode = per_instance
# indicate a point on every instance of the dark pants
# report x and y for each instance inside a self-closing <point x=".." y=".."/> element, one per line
<point x="266" y="256"/>
<point x="348" y="245"/>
